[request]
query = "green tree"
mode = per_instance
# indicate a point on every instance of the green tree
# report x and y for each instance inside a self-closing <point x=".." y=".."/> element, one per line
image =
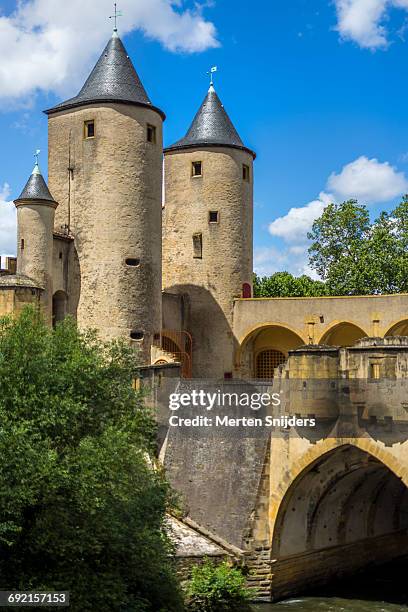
<point x="356" y="257"/>
<point x="284" y="284"/>
<point x="217" y="588"/>
<point x="81" y="508"/>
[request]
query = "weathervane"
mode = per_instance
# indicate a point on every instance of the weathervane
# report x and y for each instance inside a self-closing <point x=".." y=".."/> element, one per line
<point x="115" y="17"/>
<point x="211" y="73"/>
<point x="36" y="155"/>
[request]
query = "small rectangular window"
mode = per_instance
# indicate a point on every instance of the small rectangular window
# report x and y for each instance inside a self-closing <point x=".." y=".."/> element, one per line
<point x="213" y="216"/>
<point x="151" y="134"/>
<point x="22" y="244"/>
<point x="245" y="172"/>
<point x="197" y="168"/>
<point x="89" y="129"/>
<point x="197" y="246"/>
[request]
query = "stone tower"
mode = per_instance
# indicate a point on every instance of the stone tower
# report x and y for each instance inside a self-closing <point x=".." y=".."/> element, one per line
<point x="207" y="234"/>
<point x="105" y="168"/>
<point x="35" y="226"/>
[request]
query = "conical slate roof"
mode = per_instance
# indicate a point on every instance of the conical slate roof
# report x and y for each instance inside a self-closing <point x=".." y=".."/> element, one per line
<point x="36" y="188"/>
<point x="211" y="127"/>
<point x="113" y="79"/>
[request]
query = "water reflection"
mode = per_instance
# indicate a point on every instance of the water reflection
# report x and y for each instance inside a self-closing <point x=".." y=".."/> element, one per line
<point x="381" y="589"/>
<point x="327" y="604"/>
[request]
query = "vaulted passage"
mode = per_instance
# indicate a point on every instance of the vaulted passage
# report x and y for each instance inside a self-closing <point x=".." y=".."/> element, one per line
<point x="343" y="334"/>
<point x="399" y="329"/>
<point x="343" y="513"/>
<point x="265" y="349"/>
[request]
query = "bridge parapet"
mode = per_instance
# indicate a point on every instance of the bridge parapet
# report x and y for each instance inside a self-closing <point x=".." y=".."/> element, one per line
<point x="364" y="386"/>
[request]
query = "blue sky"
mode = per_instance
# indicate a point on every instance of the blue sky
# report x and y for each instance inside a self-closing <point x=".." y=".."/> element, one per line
<point x="318" y="88"/>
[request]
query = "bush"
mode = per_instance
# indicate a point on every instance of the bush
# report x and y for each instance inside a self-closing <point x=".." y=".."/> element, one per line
<point x="217" y="588"/>
<point x="81" y="508"/>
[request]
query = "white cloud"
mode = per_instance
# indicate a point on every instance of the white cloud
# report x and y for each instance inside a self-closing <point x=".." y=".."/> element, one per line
<point x="293" y="226"/>
<point x="268" y="260"/>
<point x="368" y="180"/>
<point x="364" y="179"/>
<point x="8" y="223"/>
<point x="363" y="21"/>
<point x="360" y="20"/>
<point x="51" y="46"/>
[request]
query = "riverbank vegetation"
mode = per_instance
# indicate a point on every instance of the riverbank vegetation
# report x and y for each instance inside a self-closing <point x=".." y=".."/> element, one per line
<point x="81" y="507"/>
<point x="217" y="588"/>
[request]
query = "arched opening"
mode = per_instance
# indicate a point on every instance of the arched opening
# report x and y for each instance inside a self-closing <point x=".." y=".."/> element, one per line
<point x="266" y="362"/>
<point x="343" y="334"/>
<point x="399" y="329"/>
<point x="59" y="307"/>
<point x="265" y="349"/>
<point x="344" y="512"/>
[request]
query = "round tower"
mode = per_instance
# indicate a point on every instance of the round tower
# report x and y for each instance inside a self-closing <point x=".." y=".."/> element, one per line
<point x="207" y="236"/>
<point x="105" y="167"/>
<point x="35" y="226"/>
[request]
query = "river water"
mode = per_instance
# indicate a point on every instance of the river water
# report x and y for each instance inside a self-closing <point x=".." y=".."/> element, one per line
<point x="383" y="589"/>
<point x="328" y="604"/>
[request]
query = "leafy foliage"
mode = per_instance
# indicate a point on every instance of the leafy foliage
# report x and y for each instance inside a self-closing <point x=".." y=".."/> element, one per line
<point x="217" y="588"/>
<point x="81" y="508"/>
<point x="351" y="254"/>
<point x="284" y="284"/>
<point x="356" y="257"/>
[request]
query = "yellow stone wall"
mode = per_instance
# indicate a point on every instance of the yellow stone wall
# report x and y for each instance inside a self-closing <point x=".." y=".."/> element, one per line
<point x="14" y="299"/>
<point x="287" y="323"/>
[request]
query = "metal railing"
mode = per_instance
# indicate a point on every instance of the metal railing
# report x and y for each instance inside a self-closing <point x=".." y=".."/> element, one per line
<point x="179" y="344"/>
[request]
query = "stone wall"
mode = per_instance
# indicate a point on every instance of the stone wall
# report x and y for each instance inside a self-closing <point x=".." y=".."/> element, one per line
<point x="218" y="473"/>
<point x="35" y="222"/>
<point x="215" y="277"/>
<point x="66" y="274"/>
<point x="18" y="292"/>
<point x="111" y="200"/>
<point x="302" y="503"/>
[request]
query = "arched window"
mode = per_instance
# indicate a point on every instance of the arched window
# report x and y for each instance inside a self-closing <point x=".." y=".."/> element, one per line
<point x="246" y="290"/>
<point x="267" y="361"/>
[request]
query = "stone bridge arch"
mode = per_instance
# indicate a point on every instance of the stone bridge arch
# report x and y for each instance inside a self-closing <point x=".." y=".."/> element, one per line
<point x="342" y="505"/>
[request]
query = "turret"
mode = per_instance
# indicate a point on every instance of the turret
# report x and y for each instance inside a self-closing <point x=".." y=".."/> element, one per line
<point x="207" y="236"/>
<point x="105" y="167"/>
<point x="35" y="224"/>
